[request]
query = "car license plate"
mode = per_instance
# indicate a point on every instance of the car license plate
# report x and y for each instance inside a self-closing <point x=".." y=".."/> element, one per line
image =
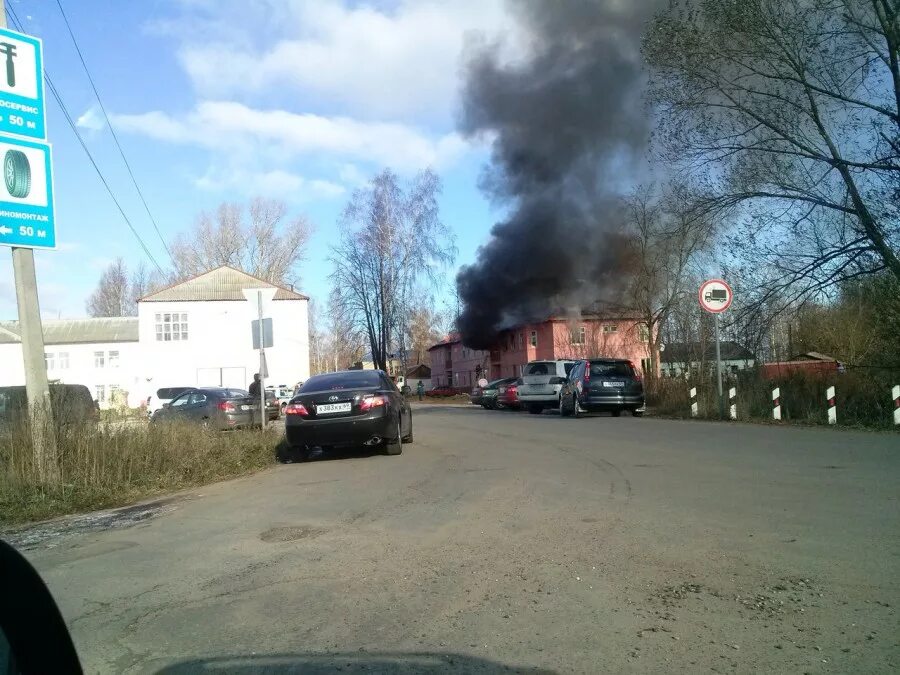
<point x="245" y="407"/>
<point x="613" y="384"/>
<point x="331" y="408"/>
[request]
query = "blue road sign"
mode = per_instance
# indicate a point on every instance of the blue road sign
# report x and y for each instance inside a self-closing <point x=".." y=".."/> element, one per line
<point x="26" y="194"/>
<point x="21" y="85"/>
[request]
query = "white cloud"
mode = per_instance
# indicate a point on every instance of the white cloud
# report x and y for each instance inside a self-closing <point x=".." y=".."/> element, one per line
<point x="368" y="61"/>
<point x="223" y="125"/>
<point x="91" y="119"/>
<point x="274" y="183"/>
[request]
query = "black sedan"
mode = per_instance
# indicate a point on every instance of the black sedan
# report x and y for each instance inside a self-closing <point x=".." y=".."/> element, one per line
<point x="348" y="408"/>
<point x="212" y="407"/>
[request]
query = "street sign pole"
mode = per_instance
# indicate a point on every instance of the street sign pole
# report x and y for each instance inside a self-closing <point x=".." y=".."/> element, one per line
<point x="719" y="371"/>
<point x="262" y="362"/>
<point x="32" y="334"/>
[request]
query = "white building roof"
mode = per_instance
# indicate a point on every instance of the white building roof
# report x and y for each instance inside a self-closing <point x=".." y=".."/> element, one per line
<point x="222" y="283"/>
<point x="77" y="331"/>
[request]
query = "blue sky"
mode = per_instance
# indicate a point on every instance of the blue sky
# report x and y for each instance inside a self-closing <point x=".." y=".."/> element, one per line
<point x="218" y="100"/>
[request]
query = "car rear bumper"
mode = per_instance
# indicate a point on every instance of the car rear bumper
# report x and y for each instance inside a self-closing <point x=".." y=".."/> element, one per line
<point x="611" y="401"/>
<point x="547" y="397"/>
<point x="238" y="420"/>
<point x="339" y="431"/>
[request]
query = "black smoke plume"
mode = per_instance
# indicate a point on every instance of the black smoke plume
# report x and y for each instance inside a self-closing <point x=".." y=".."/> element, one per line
<point x="569" y="129"/>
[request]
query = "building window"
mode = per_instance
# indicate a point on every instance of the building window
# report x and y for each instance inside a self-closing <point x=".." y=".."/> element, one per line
<point x="520" y="340"/>
<point x="100" y="393"/>
<point x="610" y="328"/>
<point x="49" y="360"/>
<point x="113" y="394"/>
<point x="644" y="333"/>
<point x="171" y="327"/>
<point x="63" y="361"/>
<point x="114" y="359"/>
<point x="578" y="335"/>
<point x="534" y="338"/>
<point x="99" y="360"/>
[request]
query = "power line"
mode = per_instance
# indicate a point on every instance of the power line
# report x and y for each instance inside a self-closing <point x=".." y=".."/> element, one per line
<point x="65" y="111"/>
<point x="112" y="130"/>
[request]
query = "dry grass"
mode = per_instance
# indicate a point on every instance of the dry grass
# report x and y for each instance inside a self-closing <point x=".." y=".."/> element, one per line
<point x="862" y="397"/>
<point x="118" y="463"/>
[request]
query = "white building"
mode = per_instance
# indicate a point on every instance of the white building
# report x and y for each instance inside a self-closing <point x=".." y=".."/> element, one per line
<point x="194" y="333"/>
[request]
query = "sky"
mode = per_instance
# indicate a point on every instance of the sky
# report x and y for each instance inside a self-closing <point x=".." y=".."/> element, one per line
<point x="224" y="100"/>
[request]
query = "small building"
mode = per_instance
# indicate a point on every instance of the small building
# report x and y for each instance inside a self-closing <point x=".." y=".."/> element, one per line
<point x="681" y="358"/>
<point x="420" y="373"/>
<point x="453" y="364"/>
<point x="192" y="333"/>
<point x="809" y="363"/>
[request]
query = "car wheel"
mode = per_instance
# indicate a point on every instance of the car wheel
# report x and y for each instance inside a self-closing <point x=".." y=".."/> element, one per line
<point x="637" y="413"/>
<point x="576" y="411"/>
<point x="17" y="173"/>
<point x="409" y="437"/>
<point x="616" y="413"/>
<point x="563" y="411"/>
<point x="395" y="447"/>
<point x="535" y="409"/>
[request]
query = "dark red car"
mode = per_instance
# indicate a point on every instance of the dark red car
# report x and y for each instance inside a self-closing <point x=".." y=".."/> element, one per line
<point x="508" y="396"/>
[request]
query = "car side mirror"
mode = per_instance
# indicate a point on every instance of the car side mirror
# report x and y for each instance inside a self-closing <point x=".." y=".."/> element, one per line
<point x="33" y="635"/>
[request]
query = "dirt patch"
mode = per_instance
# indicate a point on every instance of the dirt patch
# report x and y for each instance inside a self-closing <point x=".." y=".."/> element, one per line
<point x="292" y="533"/>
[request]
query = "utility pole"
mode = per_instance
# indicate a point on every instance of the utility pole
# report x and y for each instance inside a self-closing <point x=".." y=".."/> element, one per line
<point x="32" y="335"/>
<point x="262" y="363"/>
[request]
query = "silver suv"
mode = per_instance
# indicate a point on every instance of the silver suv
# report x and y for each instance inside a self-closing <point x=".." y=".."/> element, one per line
<point x="541" y="383"/>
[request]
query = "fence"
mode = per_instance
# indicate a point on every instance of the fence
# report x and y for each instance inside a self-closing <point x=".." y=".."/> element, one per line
<point x="861" y="398"/>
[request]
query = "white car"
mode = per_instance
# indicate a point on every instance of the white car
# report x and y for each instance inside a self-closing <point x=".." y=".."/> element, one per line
<point x="541" y="383"/>
<point x="163" y="395"/>
<point x="283" y="393"/>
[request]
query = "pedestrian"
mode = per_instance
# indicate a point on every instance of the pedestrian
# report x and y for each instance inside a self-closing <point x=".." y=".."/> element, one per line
<point x="420" y="389"/>
<point x="254" y="386"/>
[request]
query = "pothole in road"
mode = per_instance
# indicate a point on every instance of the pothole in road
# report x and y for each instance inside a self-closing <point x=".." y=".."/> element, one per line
<point x="293" y="533"/>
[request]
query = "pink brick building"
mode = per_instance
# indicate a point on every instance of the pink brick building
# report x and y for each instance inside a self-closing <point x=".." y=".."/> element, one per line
<point x="454" y="365"/>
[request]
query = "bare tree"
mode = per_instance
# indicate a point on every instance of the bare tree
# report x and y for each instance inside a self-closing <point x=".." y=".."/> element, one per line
<point x="666" y="237"/>
<point x="268" y="245"/>
<point x="112" y="297"/>
<point x="144" y="281"/>
<point x="392" y="240"/>
<point x="788" y="113"/>
<point x="423" y="330"/>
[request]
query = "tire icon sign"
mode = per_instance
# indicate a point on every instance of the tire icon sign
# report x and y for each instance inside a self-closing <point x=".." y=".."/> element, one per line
<point x="17" y="173"/>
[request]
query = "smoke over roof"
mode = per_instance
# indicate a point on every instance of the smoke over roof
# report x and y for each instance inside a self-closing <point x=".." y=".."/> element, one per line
<point x="569" y="128"/>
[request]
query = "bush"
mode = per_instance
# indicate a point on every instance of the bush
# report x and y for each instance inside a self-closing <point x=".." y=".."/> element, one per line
<point x="863" y="397"/>
<point x="114" y="464"/>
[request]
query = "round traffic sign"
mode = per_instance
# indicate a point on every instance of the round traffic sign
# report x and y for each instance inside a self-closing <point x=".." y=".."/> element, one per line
<point x="482" y="383"/>
<point x="715" y="296"/>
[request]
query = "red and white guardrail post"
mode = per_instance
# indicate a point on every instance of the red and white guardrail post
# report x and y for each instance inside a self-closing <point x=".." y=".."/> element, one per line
<point x="895" y="394"/>
<point x="732" y="403"/>
<point x="694" y="409"/>
<point x="776" y="403"/>
<point x="832" y="407"/>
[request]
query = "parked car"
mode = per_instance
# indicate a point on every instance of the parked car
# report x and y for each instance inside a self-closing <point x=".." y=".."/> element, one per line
<point x="216" y="408"/>
<point x="508" y="397"/>
<point x="541" y="384"/>
<point x="613" y="385"/>
<point x="476" y="395"/>
<point x="71" y="404"/>
<point x="163" y="395"/>
<point x="283" y="393"/>
<point x="490" y="393"/>
<point x="348" y="408"/>
<point x="273" y="407"/>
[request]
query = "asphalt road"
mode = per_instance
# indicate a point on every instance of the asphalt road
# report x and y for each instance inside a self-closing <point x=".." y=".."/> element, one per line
<point x="508" y="541"/>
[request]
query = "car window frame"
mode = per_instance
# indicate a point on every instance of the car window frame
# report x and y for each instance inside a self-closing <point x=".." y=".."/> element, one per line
<point x="193" y="403"/>
<point x="186" y="396"/>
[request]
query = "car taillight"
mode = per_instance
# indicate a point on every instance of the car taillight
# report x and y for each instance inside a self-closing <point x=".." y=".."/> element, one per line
<point x="587" y="372"/>
<point x="226" y="406"/>
<point x="635" y="373"/>
<point x="296" y="409"/>
<point x="370" y="402"/>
